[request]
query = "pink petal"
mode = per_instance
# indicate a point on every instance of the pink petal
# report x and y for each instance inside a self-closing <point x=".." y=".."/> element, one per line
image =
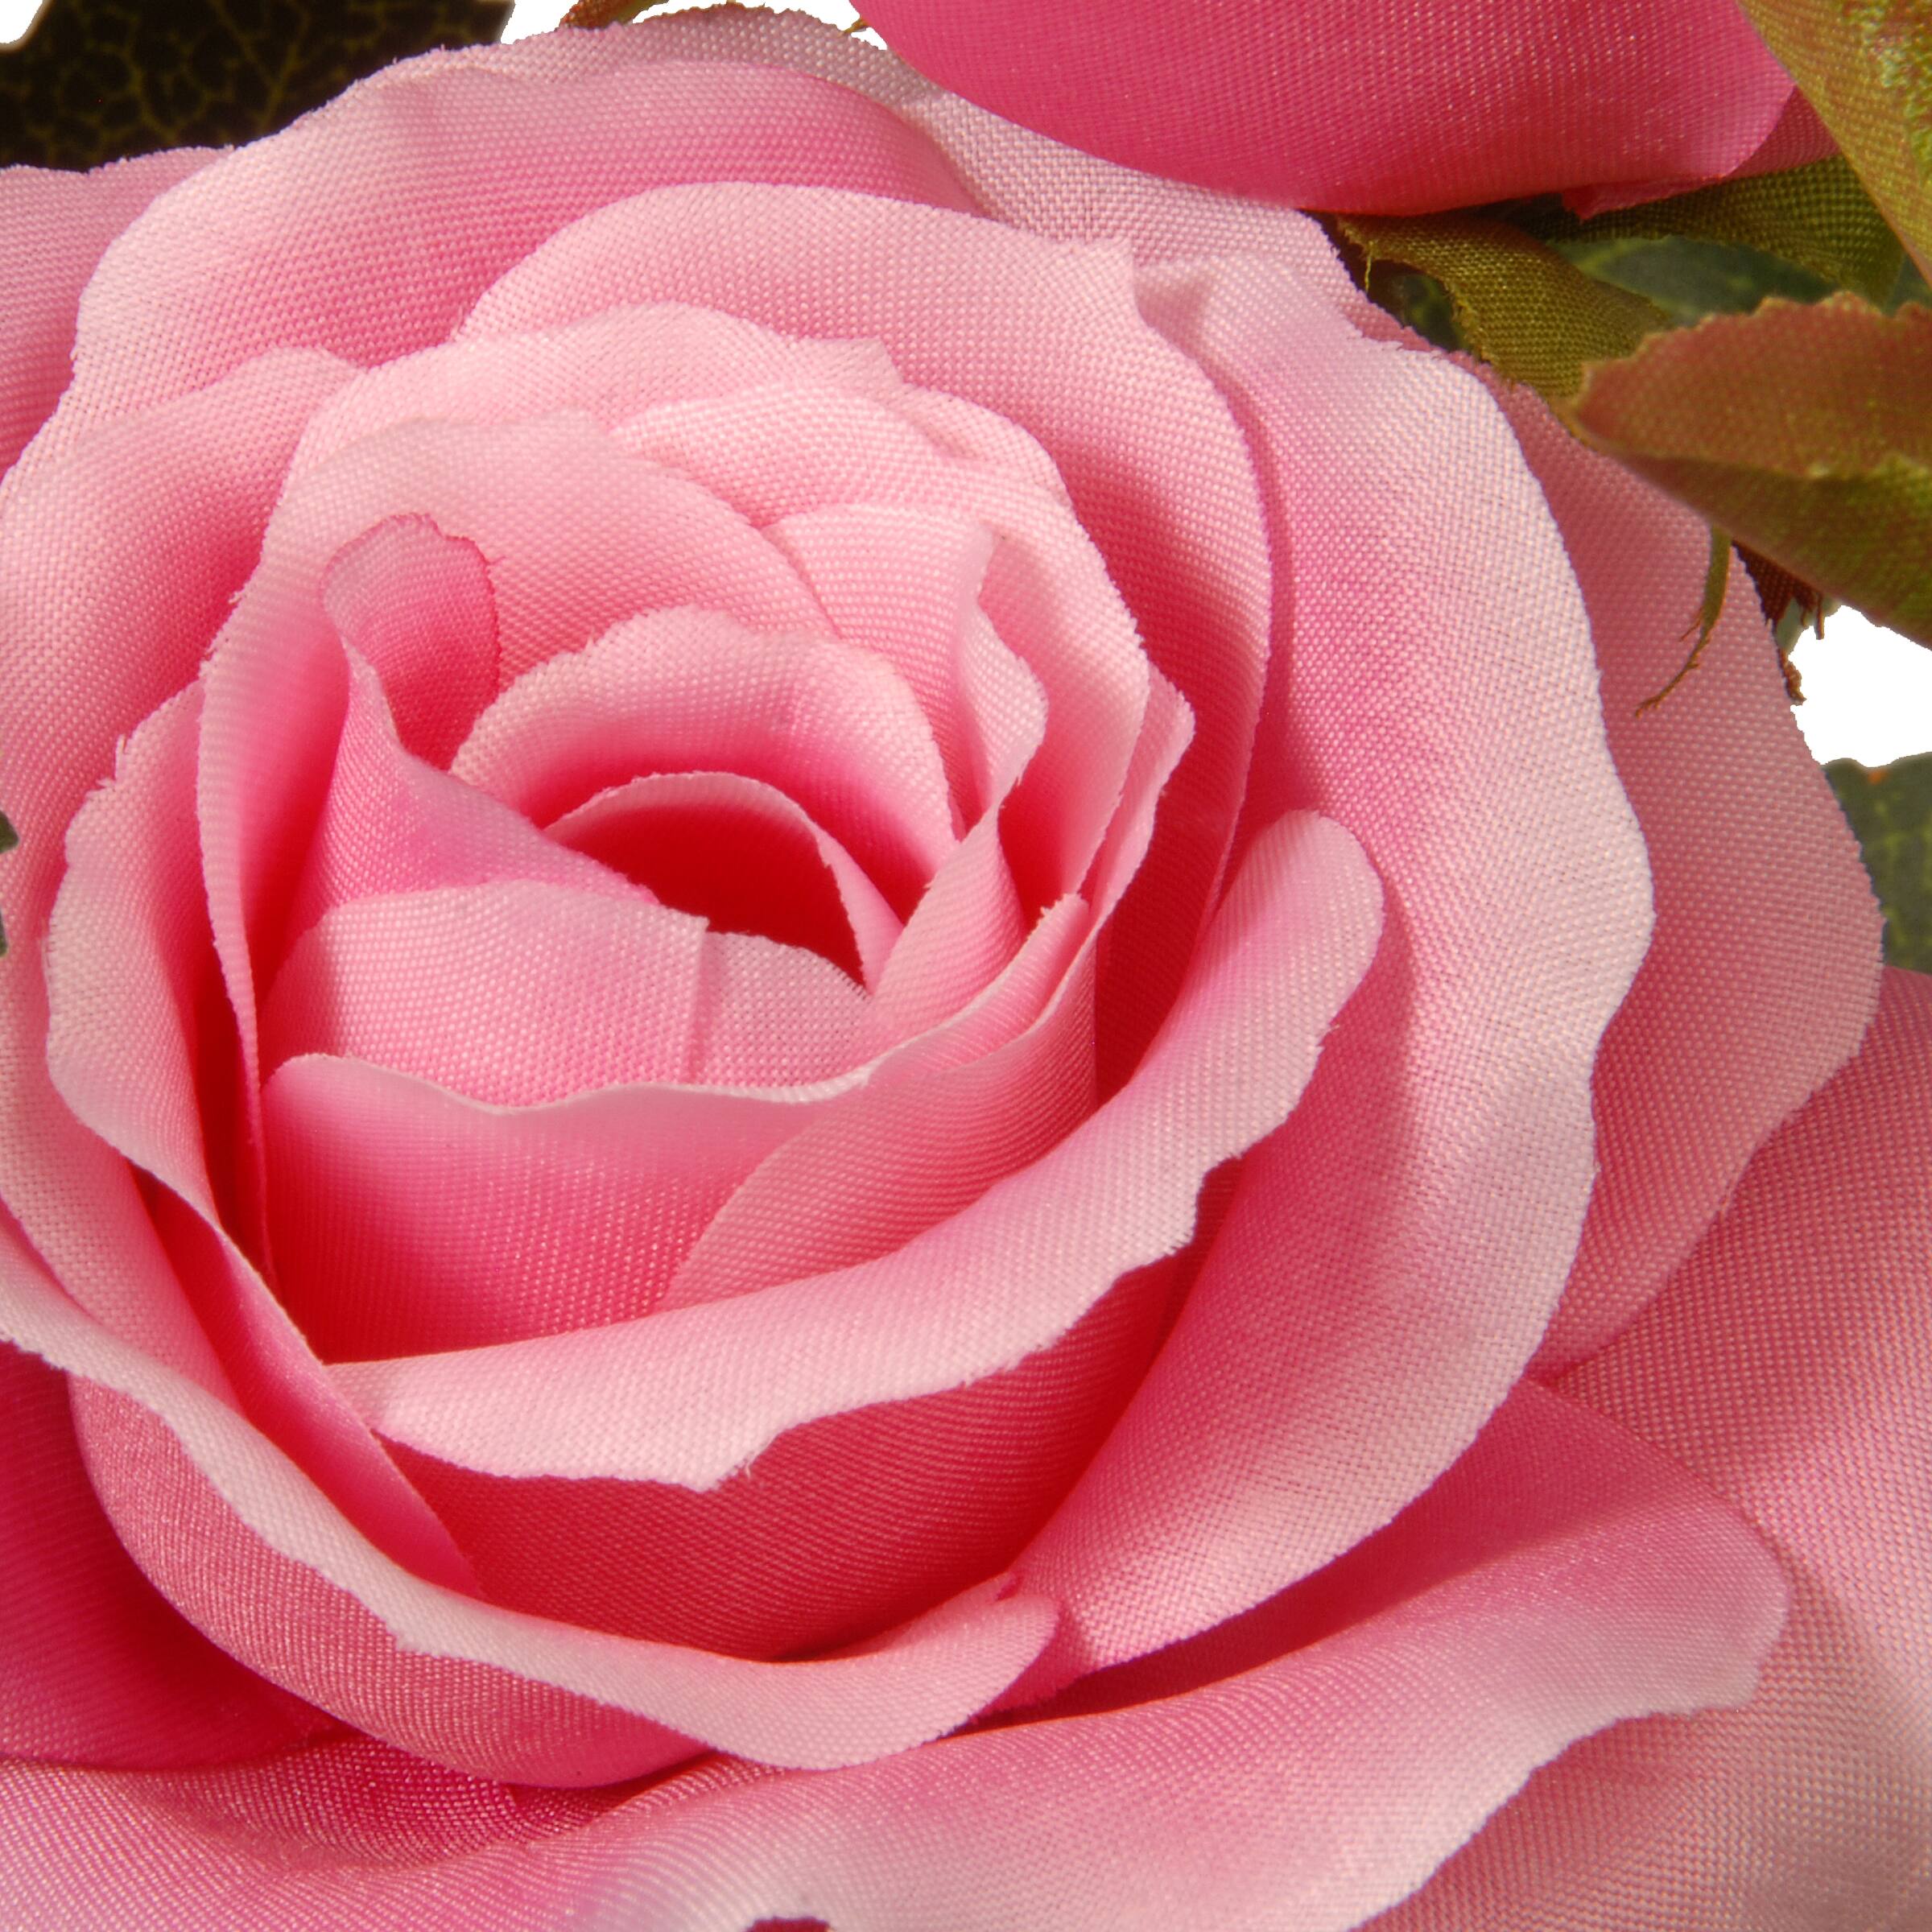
<point x="611" y="365"/>
<point x="701" y="1390"/>
<point x="1787" y="1363"/>
<point x="407" y="1218"/>
<point x="1351" y="104"/>
<point x="99" y="1669"/>
<point x="577" y="1212"/>
<point x="743" y="856"/>
<point x="933" y="1128"/>
<point x="520" y="992"/>
<point x="116" y="568"/>
<point x="1019" y="178"/>
<point x="291" y="241"/>
<point x="904" y="583"/>
<point x="1049" y="337"/>
<point x="418" y="606"/>
<point x="845" y="1527"/>
<point x="1324" y="1783"/>
<point x="524" y="495"/>
<point x="1392" y="1255"/>
<point x="1763" y="969"/>
<point x="242" y="1541"/>
<point x="55" y="225"/>
<point x="1044" y="589"/>
<point x="140" y="1046"/>
<point x="391" y="822"/>
<point x="830" y="724"/>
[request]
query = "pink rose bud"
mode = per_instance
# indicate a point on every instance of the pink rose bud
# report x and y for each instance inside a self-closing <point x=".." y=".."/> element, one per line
<point x="857" y="1068"/>
<point x="1379" y="106"/>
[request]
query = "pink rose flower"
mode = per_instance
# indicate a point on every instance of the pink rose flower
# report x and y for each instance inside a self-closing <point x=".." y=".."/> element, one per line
<point x="1380" y="106"/>
<point x="857" y="1068"/>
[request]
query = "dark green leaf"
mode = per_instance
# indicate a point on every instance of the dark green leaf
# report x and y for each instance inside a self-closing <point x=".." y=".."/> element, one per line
<point x="1890" y="808"/>
<point x="1817" y="218"/>
<point x="100" y="79"/>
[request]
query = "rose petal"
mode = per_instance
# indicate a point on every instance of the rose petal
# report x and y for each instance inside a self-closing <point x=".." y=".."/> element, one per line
<point x="55" y="225"/>
<point x="1049" y="337"/>
<point x="520" y="992"/>
<point x="418" y="606"/>
<point x="289" y="242"/>
<point x="701" y="1390"/>
<point x="406" y="1219"/>
<point x="389" y="823"/>
<point x="235" y="1534"/>
<point x="100" y="1669"/>
<point x="1787" y="1363"/>
<point x="1044" y="589"/>
<point x="920" y="612"/>
<point x="611" y="364"/>
<point x="1489" y="1648"/>
<point x="526" y="496"/>
<point x="743" y="855"/>
<point x="1393" y="1253"/>
<point x="1763" y="970"/>
<point x="116" y="568"/>
<point x="141" y="1048"/>
<point x="832" y="725"/>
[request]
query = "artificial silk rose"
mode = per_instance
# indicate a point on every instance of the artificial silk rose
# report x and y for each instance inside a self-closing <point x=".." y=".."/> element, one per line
<point x="856" y="1066"/>
<point x="1380" y="106"/>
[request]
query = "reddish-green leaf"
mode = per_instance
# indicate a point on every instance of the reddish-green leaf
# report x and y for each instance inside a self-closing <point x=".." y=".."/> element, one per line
<point x="1866" y="65"/>
<point x="1803" y="430"/>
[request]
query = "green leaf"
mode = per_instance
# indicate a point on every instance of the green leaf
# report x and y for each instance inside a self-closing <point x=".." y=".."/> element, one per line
<point x="1803" y="431"/>
<point x="1890" y="809"/>
<point x="1711" y="607"/>
<point x="1819" y="218"/>
<point x="1689" y="279"/>
<point x="1866" y="65"/>
<point x="100" y="79"/>
<point x="1519" y="305"/>
<point x="9" y="839"/>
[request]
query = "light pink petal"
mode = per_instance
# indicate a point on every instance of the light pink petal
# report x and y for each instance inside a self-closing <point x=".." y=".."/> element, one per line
<point x="528" y="497"/>
<point x="904" y="583"/>
<point x="963" y="929"/>
<point x="1489" y="1650"/>
<point x="391" y="822"/>
<point x="407" y="1218"/>
<point x="346" y="1833"/>
<point x="1788" y="1362"/>
<point x="514" y="993"/>
<point x="843" y="1528"/>
<point x="922" y="1141"/>
<point x="99" y="1669"/>
<point x="1050" y="336"/>
<point x="1763" y="970"/>
<point x="743" y="856"/>
<point x="701" y="1390"/>
<point x="1393" y="1253"/>
<point x="117" y="566"/>
<point x="419" y="607"/>
<point x="1044" y="587"/>
<point x="831" y="724"/>
<point x="53" y="227"/>
<point x="1362" y="104"/>
<point x="292" y="242"/>
<point x="141" y="1047"/>
<point x="240" y="1539"/>
<point x="611" y="364"/>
